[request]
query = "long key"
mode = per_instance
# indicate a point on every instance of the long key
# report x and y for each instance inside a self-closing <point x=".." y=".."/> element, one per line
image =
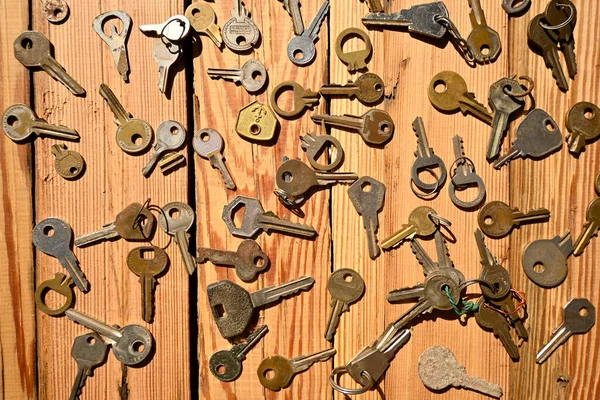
<point x="345" y="286"/>
<point x="32" y="49"/>
<point x="420" y="224"/>
<point x="545" y="261"/>
<point x="367" y="195"/>
<point x="20" y="122"/>
<point x="203" y="19"/>
<point x="490" y="319"/>
<point x="497" y="219"/>
<point x="53" y="236"/>
<point x="165" y="54"/>
<point x="296" y="178"/>
<point x="89" y="352"/>
<point x="301" y="49"/>
<point x="583" y="122"/>
<point x="483" y="40"/>
<point x="176" y="219"/>
<point x="464" y="177"/>
<point x="368" y="89"/>
<point x="240" y="33"/>
<point x="504" y="105"/>
<point x="208" y="143"/>
<point x="540" y="38"/>
<point x="170" y="136"/>
<point x="374" y="6"/>
<point x="376" y="127"/>
<point x="419" y="19"/>
<point x="557" y="12"/>
<point x="173" y="29"/>
<point x="249" y="260"/>
<point x="117" y="41"/>
<point x="426" y="160"/>
<point x="276" y="372"/>
<point x="293" y="8"/>
<point x="590" y="229"/>
<point x="147" y="262"/>
<point x="252" y="75"/>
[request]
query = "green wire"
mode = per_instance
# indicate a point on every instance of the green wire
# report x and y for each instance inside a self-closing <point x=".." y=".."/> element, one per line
<point x="467" y="306"/>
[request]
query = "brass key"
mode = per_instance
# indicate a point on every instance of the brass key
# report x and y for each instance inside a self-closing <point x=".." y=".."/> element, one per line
<point x="496" y="219"/>
<point x="355" y="60"/>
<point x="420" y="224"/>
<point x="316" y="145"/>
<point x="257" y="123"/>
<point x="368" y="89"/>
<point x="296" y="178"/>
<point x="60" y="284"/>
<point x="117" y="41"/>
<point x="590" y="229"/>
<point x="55" y="11"/>
<point x="20" y="122"/>
<point x="249" y="260"/>
<point x="204" y="21"/>
<point x="303" y="98"/>
<point x="68" y="163"/>
<point x="483" y="40"/>
<point x="583" y="122"/>
<point x="375" y="126"/>
<point x="148" y="269"/>
<point x="374" y="6"/>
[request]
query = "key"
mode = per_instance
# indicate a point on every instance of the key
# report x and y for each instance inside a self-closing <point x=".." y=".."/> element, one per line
<point x="233" y="307"/>
<point x="426" y="160"/>
<point x="557" y="12"/>
<point x="345" y="286"/>
<point x="131" y="344"/>
<point x="497" y="277"/>
<point x="252" y="75"/>
<point x="496" y="219"/>
<point x="368" y="89"/>
<point x="33" y="49"/>
<point x="504" y="106"/>
<point x="426" y="262"/>
<point x="59" y="284"/>
<point x="443" y="256"/>
<point x="293" y="8"/>
<point x="55" y="11"/>
<point x="538" y="136"/>
<point x="515" y="7"/>
<point x="208" y="143"/>
<point x="68" y="163"/>
<point x="165" y="55"/>
<point x="176" y="219"/>
<point x="483" y="40"/>
<point x="170" y="136"/>
<point x="173" y="29"/>
<point x="240" y="33"/>
<point x="439" y="370"/>
<point x="117" y="41"/>
<point x="276" y="372"/>
<point x="296" y="178"/>
<point x="448" y="92"/>
<point x="133" y="135"/>
<point x="249" y="260"/>
<point x="148" y="263"/>
<point x="53" y="236"/>
<point x="545" y="261"/>
<point x="420" y="19"/>
<point x="376" y="127"/>
<point x="171" y="162"/>
<point x="491" y="320"/>
<point x="316" y="145"/>
<point x="134" y="224"/>
<point x="464" y="177"/>
<point x="256" y="220"/>
<point x="226" y="365"/>
<point x="303" y="98"/>
<point x="355" y="60"/>
<point x="420" y="224"/>
<point x="20" y="122"/>
<point x="583" y="122"/>
<point x="374" y="6"/>
<point x="367" y="195"/>
<point x="301" y="49"/>
<point x="257" y="122"/>
<point x="89" y="352"/>
<point x="203" y="19"/>
<point x="590" y="228"/>
<point x="541" y="40"/>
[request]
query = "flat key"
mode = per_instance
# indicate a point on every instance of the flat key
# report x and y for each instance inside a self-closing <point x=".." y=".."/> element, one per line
<point x="296" y="178"/>
<point x="203" y="19"/>
<point x="355" y="60"/>
<point x="249" y="260"/>
<point x="148" y="262"/>
<point x="240" y="33"/>
<point x="89" y="352"/>
<point x="497" y="219"/>
<point x="496" y="276"/>
<point x="301" y="49"/>
<point x="165" y="54"/>
<point x="345" y="286"/>
<point x="208" y="143"/>
<point x="376" y="127"/>
<point x="33" y="49"/>
<point x="252" y="75"/>
<point x="541" y="40"/>
<point x="545" y="261"/>
<point x="176" y="219"/>
<point x="367" y="196"/>
<point x="20" y="122"/>
<point x="590" y="228"/>
<point x="490" y="319"/>
<point x="579" y="317"/>
<point x="504" y="106"/>
<point x="583" y="122"/>
<point x="116" y="41"/>
<point x="303" y="98"/>
<point x="173" y="29"/>
<point x="368" y="89"/>
<point x="257" y="122"/>
<point x="293" y="9"/>
<point x="423" y="258"/>
<point x="557" y="12"/>
<point x="59" y="284"/>
<point x="420" y="224"/>
<point x="426" y="160"/>
<point x="53" y="236"/>
<point x="483" y="40"/>
<point x="68" y="163"/>
<point x="464" y="177"/>
<point x="170" y="136"/>
<point x="55" y="11"/>
<point x="419" y="19"/>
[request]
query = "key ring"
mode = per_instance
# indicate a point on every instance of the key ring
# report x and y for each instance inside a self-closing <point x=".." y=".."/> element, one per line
<point x="527" y="92"/>
<point x="427" y="195"/>
<point x="466" y="159"/>
<point x="138" y="219"/>
<point x="470" y="282"/>
<point x="463" y="47"/>
<point x="339" y="371"/>
<point x="560" y="26"/>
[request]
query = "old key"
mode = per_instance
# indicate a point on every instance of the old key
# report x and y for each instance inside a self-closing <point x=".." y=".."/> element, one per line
<point x="68" y="163"/>
<point x="583" y="122"/>
<point x="240" y="33"/>
<point x="504" y="103"/>
<point x="483" y="40"/>
<point x="208" y="143"/>
<point x="249" y="260"/>
<point x="296" y="178"/>
<point x="316" y="145"/>
<point x="174" y="29"/>
<point x="496" y="219"/>
<point x="541" y="40"/>
<point x="20" y="122"/>
<point x="345" y="286"/>
<point x="257" y="122"/>
<point x="590" y="229"/>
<point x="60" y="284"/>
<point x="562" y="15"/>
<point x="301" y="49"/>
<point x="175" y="219"/>
<point x="148" y="262"/>
<point x="170" y="136"/>
<point x="368" y="89"/>
<point x="376" y="127"/>
<point x="89" y="352"/>
<point x="545" y="261"/>
<point x="55" y="11"/>
<point x="420" y="223"/>
<point x="203" y="19"/>
<point x="166" y="54"/>
<point x="367" y="195"/>
<point x="463" y="177"/>
<point x="252" y="75"/>
<point x="303" y="98"/>
<point x="426" y="160"/>
<point x="355" y="60"/>
<point x="491" y="320"/>
<point x="117" y="41"/>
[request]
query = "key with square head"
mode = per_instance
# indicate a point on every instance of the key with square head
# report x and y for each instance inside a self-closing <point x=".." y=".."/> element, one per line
<point x="497" y="219"/>
<point x="226" y="365"/>
<point x="367" y="195"/>
<point x="276" y="372"/>
<point x="89" y="352"/>
<point x="203" y="19"/>
<point x="426" y="160"/>
<point x="303" y="98"/>
<point x="557" y="13"/>
<point x="173" y="29"/>
<point x="116" y="41"/>
<point x="504" y="106"/>
<point x="249" y="260"/>
<point x="170" y="136"/>
<point x="420" y="224"/>
<point x="419" y="19"/>
<point x="148" y="262"/>
<point x="208" y="143"/>
<point x="33" y="49"/>
<point x="233" y="307"/>
<point x="240" y="33"/>
<point x="301" y="49"/>
<point x="296" y="178"/>
<point x="545" y="260"/>
<point x="368" y="89"/>
<point x="176" y="219"/>
<point x="376" y="127"/>
<point x="590" y="228"/>
<point x="20" y="122"/>
<point x="541" y="40"/>
<point x="68" y="163"/>
<point x="515" y="7"/>
<point x="374" y="6"/>
<point x="491" y="320"/>
<point x="165" y="54"/>
<point x="317" y="145"/>
<point x="583" y="122"/>
<point x="293" y="9"/>
<point x="252" y="75"/>
<point x="464" y="177"/>
<point x="257" y="122"/>
<point x="55" y="11"/>
<point x="483" y="40"/>
<point x="345" y="286"/>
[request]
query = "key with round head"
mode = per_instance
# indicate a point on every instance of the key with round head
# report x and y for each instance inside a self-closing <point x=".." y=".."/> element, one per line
<point x="176" y="219"/>
<point x="541" y="40"/>
<point x="515" y="7"/>
<point x="583" y="122"/>
<point x="208" y="143"/>
<point x="368" y="89"/>
<point x="316" y="145"/>
<point x="165" y="54"/>
<point x="426" y="160"/>
<point x="173" y="29"/>
<point x="20" y="122"/>
<point x="240" y="33"/>
<point x="303" y="98"/>
<point x="55" y="11"/>
<point x="293" y="9"/>
<point x="545" y="260"/>
<point x="170" y="136"/>
<point x="376" y="127"/>
<point x="367" y="195"/>
<point x="301" y="49"/>
<point x="491" y="320"/>
<point x="203" y="19"/>
<point x="257" y="122"/>
<point x="590" y="228"/>
<point x="148" y="262"/>
<point x="117" y="40"/>
<point x="497" y="219"/>
<point x="496" y="276"/>
<point x="464" y="177"/>
<point x="33" y="49"/>
<point x="249" y="260"/>
<point x="504" y="106"/>
<point x="252" y="75"/>
<point x="420" y="224"/>
<point x="483" y="40"/>
<point x="556" y="14"/>
<point x="68" y="163"/>
<point x="355" y="60"/>
<point x="59" y="284"/>
<point x="296" y="178"/>
<point x="579" y="317"/>
<point x="420" y="19"/>
<point x="345" y="286"/>
<point x="89" y="352"/>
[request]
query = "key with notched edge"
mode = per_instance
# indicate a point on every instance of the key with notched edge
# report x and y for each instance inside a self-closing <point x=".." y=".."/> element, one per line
<point x="175" y="220"/>
<point x="583" y="122"/>
<point x="166" y="54"/>
<point x="148" y="269"/>
<point x="89" y="352"/>
<point x="117" y="40"/>
<point x="170" y="136"/>
<point x="419" y="224"/>
<point x="252" y="75"/>
<point x="419" y="19"/>
<point x="464" y="177"/>
<point x="541" y="40"/>
<point x="233" y="307"/>
<point x="367" y="195"/>
<point x="345" y="286"/>
<point x="504" y="106"/>
<point x="240" y="33"/>
<point x="301" y="49"/>
<point x="590" y="228"/>
<point x="557" y="12"/>
<point x="20" y="122"/>
<point x="293" y="9"/>
<point x="491" y="320"/>
<point x="545" y="260"/>
<point x="496" y="219"/>
<point x="426" y="160"/>
<point x="368" y="89"/>
<point x="483" y="40"/>
<point x="376" y="127"/>
<point x="203" y="19"/>
<point x="249" y="260"/>
<point x="208" y="144"/>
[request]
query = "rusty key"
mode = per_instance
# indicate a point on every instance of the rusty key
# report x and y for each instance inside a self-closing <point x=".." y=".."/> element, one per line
<point x="249" y="260"/>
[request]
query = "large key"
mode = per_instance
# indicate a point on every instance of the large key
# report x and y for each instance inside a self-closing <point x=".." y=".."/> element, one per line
<point x="89" y="352"/>
<point x="483" y="40"/>
<point x="296" y="178"/>
<point x="367" y="195"/>
<point x="33" y="50"/>
<point x="135" y="223"/>
<point x="583" y="122"/>
<point x="368" y="89"/>
<point x="557" y="12"/>
<point x="301" y="49"/>
<point x="203" y="19"/>
<point x="174" y="29"/>
<point x="464" y="177"/>
<point x="345" y="286"/>
<point x="540" y="39"/>
<point x="175" y="219"/>
<point x="53" y="236"/>
<point x="20" y="122"/>
<point x="490" y="319"/>
<point x="147" y="262"/>
<point x="117" y="41"/>
<point x="293" y="8"/>
<point x="426" y="160"/>
<point x="420" y="224"/>
<point x="276" y="372"/>
<point x="249" y="260"/>
<point x="240" y="33"/>
<point x="252" y="75"/>
<point x="208" y="143"/>
<point x="504" y="106"/>
<point x="165" y="54"/>
<point x="255" y="220"/>
<point x="579" y="317"/>
<point x="376" y="127"/>
<point x="420" y="19"/>
<point x="590" y="229"/>
<point x="545" y="261"/>
<point x="233" y="307"/>
<point x="170" y="136"/>
<point x="497" y="219"/>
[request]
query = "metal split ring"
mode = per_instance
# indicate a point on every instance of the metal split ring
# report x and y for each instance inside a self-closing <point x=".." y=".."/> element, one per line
<point x="339" y="371"/>
<point x="560" y="26"/>
<point x="427" y="195"/>
<point x="527" y="92"/>
<point x="470" y="282"/>
<point x="440" y="220"/>
<point x="466" y="159"/>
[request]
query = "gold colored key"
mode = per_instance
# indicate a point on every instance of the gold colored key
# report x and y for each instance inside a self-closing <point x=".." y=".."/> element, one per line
<point x="257" y="123"/>
<point x="303" y="98"/>
<point x="296" y="178"/>
<point x="62" y="285"/>
<point x="497" y="219"/>
<point x="20" y="122"/>
<point x="368" y="89"/>
<point x="68" y="163"/>
<point x="590" y="229"/>
<point x="204" y="21"/>
<point x="420" y="223"/>
<point x="355" y="60"/>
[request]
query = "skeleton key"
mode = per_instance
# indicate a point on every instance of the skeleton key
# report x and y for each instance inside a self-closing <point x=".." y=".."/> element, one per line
<point x="55" y="11"/>
<point x="590" y="228"/>
<point x="173" y="29"/>
<point x="170" y="136"/>
<point x="208" y="143"/>
<point x="316" y="145"/>
<point x="504" y="106"/>
<point x="283" y="369"/>
<point x="117" y="41"/>
<point x="515" y="7"/>
<point x="374" y="6"/>
<point x="426" y="160"/>
<point x="540" y="39"/>
<point x="355" y="60"/>
<point x="33" y="49"/>
<point x="203" y="19"/>
<point x="20" y="122"/>
<point x="147" y="269"/>
<point x="176" y="219"/>
<point x="89" y="351"/>
<point x="252" y="75"/>
<point x="296" y="178"/>
<point x="68" y="163"/>
<point x="557" y="12"/>
<point x="463" y="177"/>
<point x="496" y="219"/>
<point x="301" y="49"/>
<point x="490" y="319"/>
<point x="345" y="286"/>
<point x="420" y="19"/>
<point x="240" y="33"/>
<point x="483" y="40"/>
<point x="583" y="122"/>
<point x="545" y="261"/>
<point x="420" y="224"/>
<point x="368" y="89"/>
<point x="367" y="195"/>
<point x="293" y="8"/>
<point x="249" y="260"/>
<point x="376" y="127"/>
<point x="165" y="54"/>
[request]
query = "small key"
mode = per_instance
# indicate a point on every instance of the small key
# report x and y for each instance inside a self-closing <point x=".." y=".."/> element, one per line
<point x="504" y="106"/>
<point x="59" y="284"/>
<point x="538" y="136"/>
<point x="420" y="19"/>
<point x="240" y="33"/>
<point x="249" y="260"/>
<point x="131" y="344"/>
<point x="226" y="365"/>
<point x="148" y="263"/>
<point x="134" y="224"/>
<point x="448" y="92"/>
<point x="165" y="54"/>
<point x="420" y="224"/>
<point x="170" y="136"/>
<point x="252" y="75"/>
<point x="33" y="49"/>
<point x="233" y="307"/>
<point x="257" y="123"/>
<point x="117" y="41"/>
<point x="426" y="160"/>
<point x="296" y="178"/>
<point x="541" y="40"/>
<point x="176" y="219"/>
<point x="496" y="276"/>
<point x="376" y="127"/>
<point x="590" y="228"/>
<point x="55" y="11"/>
<point x="355" y="60"/>
<point x="293" y="9"/>
<point x="491" y="320"/>
<point x="303" y="98"/>
<point x="301" y="49"/>
<point x="316" y="145"/>
<point x="53" y="236"/>
<point x="89" y="351"/>
<point x="545" y="261"/>
<point x="515" y="7"/>
<point x="172" y="162"/>
<point x="374" y="6"/>
<point x="20" y="122"/>
<point x="368" y="89"/>
<point x="203" y="19"/>
<point x="173" y="29"/>
<point x="464" y="177"/>
<point x="483" y="40"/>
<point x="68" y="163"/>
<point x="208" y="143"/>
<point x="345" y="286"/>
<point x="557" y="12"/>
<point x="496" y="219"/>
<point x="276" y="372"/>
<point x="367" y="195"/>
<point x="256" y="220"/>
<point x="583" y="122"/>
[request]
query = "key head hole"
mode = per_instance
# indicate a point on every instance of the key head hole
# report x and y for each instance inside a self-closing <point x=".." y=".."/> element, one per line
<point x="221" y="369"/>
<point x="539" y="267"/>
<point x="53" y="299"/>
<point x="220" y="311"/>
<point x="259" y="261"/>
<point x="57" y="13"/>
<point x="352" y="43"/>
<point x="112" y="26"/>
<point x="73" y="170"/>
<point x="174" y="213"/>
<point x="488" y="220"/>
<point x="138" y="347"/>
<point x="485" y="49"/>
<point x="583" y="312"/>
<point x="549" y="125"/>
<point x="174" y="130"/>
<point x="136" y="139"/>
<point x="589" y="113"/>
<point x="257" y="75"/>
<point x="378" y="87"/>
<point x="496" y="287"/>
<point x="205" y="137"/>
<point x="240" y="40"/>
<point x="49" y="231"/>
<point x="348" y="278"/>
<point x="91" y="340"/>
<point x="385" y="128"/>
<point x="147" y="254"/>
<point x="142" y="220"/>
<point x="366" y="187"/>
<point x="27" y="44"/>
<point x="237" y="215"/>
<point x="269" y="374"/>
<point x="195" y="12"/>
<point x="255" y="129"/>
<point x="287" y="177"/>
<point x="298" y="54"/>
<point x="440" y="86"/>
<point x="12" y="120"/>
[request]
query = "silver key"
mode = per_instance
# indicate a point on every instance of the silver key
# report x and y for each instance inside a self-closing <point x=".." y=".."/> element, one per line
<point x="420" y="19"/>
<point x="345" y="286"/>
<point x="208" y="143"/>
<point x="240" y="33"/>
<point x="174" y="29"/>
<point x="20" y="122"/>
<point x="503" y="106"/>
<point x="117" y="41"/>
<point x="175" y="220"/>
<point x="367" y="196"/>
<point x="579" y="317"/>
<point x="165" y="54"/>
<point x="89" y="351"/>
<point x="53" y="236"/>
<point x="293" y="8"/>
<point x="301" y="49"/>
<point x="464" y="177"/>
<point x="170" y="136"/>
<point x="252" y="75"/>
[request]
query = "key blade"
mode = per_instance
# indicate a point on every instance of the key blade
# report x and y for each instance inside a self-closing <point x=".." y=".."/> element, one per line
<point x="240" y="350"/>
<point x="499" y="126"/>
<point x="44" y="129"/>
<point x="423" y="144"/>
<point x="148" y="284"/>
<point x="57" y="71"/>
<point x="487" y="259"/>
<point x="182" y="240"/>
<point x="422" y="307"/>
<point x="107" y="232"/>
<point x="407" y="231"/>
<point x="71" y="264"/>
<point x="217" y="161"/>
<point x="513" y="154"/>
<point x="338" y="307"/>
<point x="559" y="337"/>
<point x="397" y="295"/>
<point x="468" y="104"/>
<point x="303" y="363"/>
<point x="83" y="372"/>
<point x="423" y="258"/>
<point x="293" y="9"/>
<point x="273" y="294"/>
<point x="115" y="105"/>
<point x="270" y="222"/>
<point x="315" y="26"/>
<point x="234" y="75"/>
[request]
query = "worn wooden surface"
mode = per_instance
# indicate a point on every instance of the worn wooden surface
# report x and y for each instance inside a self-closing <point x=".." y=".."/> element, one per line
<point x="35" y="349"/>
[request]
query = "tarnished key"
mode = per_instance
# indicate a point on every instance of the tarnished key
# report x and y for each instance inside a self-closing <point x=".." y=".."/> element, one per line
<point x="20" y="122"/>
<point x="173" y="29"/>
<point x="171" y="162"/>
<point x="252" y="75"/>
<point x="368" y="89"/>
<point x="590" y="228"/>
<point x="68" y="163"/>
<point x="317" y="145"/>
<point x="55" y="11"/>
<point x="374" y="6"/>
<point x="233" y="307"/>
<point x="504" y="106"/>
<point x="497" y="219"/>
<point x="208" y="143"/>
<point x="490" y="319"/>
<point x="257" y="122"/>
<point x="249" y="260"/>
<point x="583" y="122"/>
<point x="33" y="49"/>
<point x="53" y="236"/>
<point x="148" y="262"/>
<point x="545" y="261"/>
<point x="367" y="195"/>
<point x="420" y="224"/>
<point x="170" y="136"/>
<point x="203" y="19"/>
<point x="276" y="372"/>
<point x="540" y="39"/>
<point x="296" y="178"/>
<point x="557" y="12"/>
<point x="464" y="177"/>
<point x="515" y="7"/>
<point x="579" y="317"/>
<point x="376" y="127"/>
<point x="59" y="284"/>
<point x="117" y="41"/>
<point x="89" y="352"/>
<point x="496" y="276"/>
<point x="165" y="54"/>
<point x="293" y="8"/>
<point x="483" y="40"/>
<point x="301" y="49"/>
<point x="420" y="19"/>
<point x="303" y="98"/>
<point x="345" y="286"/>
<point x="355" y="60"/>
<point x="240" y="33"/>
<point x="176" y="219"/>
<point x="426" y="160"/>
